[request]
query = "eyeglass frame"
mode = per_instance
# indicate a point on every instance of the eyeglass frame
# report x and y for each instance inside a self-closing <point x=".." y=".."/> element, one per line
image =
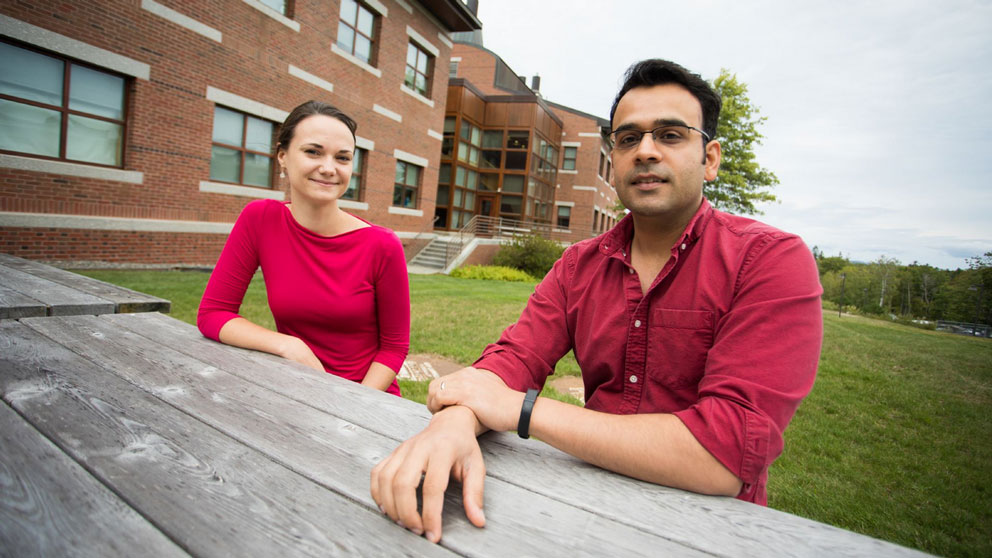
<point x="651" y="131"/>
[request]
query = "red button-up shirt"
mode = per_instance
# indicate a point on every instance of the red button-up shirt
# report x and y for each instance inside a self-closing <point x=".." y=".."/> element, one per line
<point x="727" y="337"/>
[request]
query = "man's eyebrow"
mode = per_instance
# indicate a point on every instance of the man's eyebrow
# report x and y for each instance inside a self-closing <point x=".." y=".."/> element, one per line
<point x="658" y="122"/>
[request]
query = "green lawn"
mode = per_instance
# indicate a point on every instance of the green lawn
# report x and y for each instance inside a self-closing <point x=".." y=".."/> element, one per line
<point x="895" y="441"/>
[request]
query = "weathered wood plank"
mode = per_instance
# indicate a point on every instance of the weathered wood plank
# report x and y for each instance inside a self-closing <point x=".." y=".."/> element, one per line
<point x="210" y="494"/>
<point x="333" y="451"/>
<point x="125" y="300"/>
<point x="50" y="506"/>
<point x="721" y="526"/>
<point x="60" y="300"/>
<point x="18" y="305"/>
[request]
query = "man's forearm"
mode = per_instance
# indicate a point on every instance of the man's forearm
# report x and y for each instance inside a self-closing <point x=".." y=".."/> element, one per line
<point x="656" y="448"/>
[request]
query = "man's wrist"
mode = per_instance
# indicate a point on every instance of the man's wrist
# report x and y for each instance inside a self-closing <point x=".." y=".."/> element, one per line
<point x="523" y="423"/>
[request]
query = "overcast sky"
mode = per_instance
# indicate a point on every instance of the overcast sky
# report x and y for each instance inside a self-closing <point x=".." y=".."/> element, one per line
<point x="879" y="114"/>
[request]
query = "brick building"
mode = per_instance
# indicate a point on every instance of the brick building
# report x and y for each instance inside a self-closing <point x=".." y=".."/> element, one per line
<point x="136" y="131"/>
<point x="510" y="153"/>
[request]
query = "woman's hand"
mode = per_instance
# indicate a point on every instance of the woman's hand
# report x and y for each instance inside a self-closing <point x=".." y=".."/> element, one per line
<point x="294" y="349"/>
<point x="495" y="405"/>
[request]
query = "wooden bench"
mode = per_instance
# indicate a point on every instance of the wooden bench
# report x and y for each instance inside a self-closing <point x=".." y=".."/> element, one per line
<point x="129" y="434"/>
<point x="30" y="289"/>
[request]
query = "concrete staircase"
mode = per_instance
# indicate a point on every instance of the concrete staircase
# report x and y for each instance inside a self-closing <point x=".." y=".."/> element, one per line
<point x="433" y="255"/>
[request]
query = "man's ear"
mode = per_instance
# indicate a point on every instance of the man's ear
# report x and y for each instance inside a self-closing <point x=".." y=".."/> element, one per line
<point x="711" y="162"/>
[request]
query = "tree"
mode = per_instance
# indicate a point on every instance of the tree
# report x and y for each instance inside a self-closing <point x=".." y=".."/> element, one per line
<point x="741" y="182"/>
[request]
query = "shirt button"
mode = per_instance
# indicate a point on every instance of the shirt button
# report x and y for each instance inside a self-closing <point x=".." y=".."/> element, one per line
<point x="683" y="246"/>
<point x="633" y="379"/>
<point x="630" y="269"/>
<point x="637" y="323"/>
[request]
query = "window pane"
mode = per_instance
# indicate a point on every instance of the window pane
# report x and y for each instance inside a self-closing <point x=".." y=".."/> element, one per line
<point x="473" y="156"/>
<point x="346" y="37"/>
<point x="469" y="200"/>
<point x="411" y="55"/>
<point x="228" y="126"/>
<point x="449" y="125"/>
<point x="410" y="78"/>
<point x="488" y="181"/>
<point x="400" y="172"/>
<point x="277" y="5"/>
<point x="408" y="198"/>
<point x="460" y="176"/>
<point x="473" y="180"/>
<point x="93" y="141"/>
<point x="476" y="135"/>
<point x="28" y="129"/>
<point x="363" y="48"/>
<point x="491" y="159"/>
<point x="357" y="162"/>
<point x="257" y="170"/>
<point x="30" y="75"/>
<point x="259" y="135"/>
<point x="458" y="197"/>
<point x="224" y="164"/>
<point x="513" y="183"/>
<point x="466" y="130"/>
<point x="462" y="151"/>
<point x="509" y="204"/>
<point x="349" y="10"/>
<point x="444" y="175"/>
<point x="96" y="92"/>
<point x="446" y="147"/>
<point x="517" y="140"/>
<point x="492" y="138"/>
<point x="516" y="160"/>
<point x="412" y="175"/>
<point x="421" y="84"/>
<point x="365" y="21"/>
<point x="352" y="192"/>
<point x="422" y="61"/>
<point x="442" y="195"/>
<point x="397" y="195"/>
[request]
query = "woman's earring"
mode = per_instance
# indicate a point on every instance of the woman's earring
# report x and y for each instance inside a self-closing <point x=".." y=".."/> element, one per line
<point x="282" y="173"/>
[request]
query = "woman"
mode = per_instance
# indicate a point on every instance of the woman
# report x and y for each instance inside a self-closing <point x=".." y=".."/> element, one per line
<point x="337" y="285"/>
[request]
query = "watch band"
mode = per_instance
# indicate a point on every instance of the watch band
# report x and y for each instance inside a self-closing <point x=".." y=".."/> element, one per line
<point x="523" y="425"/>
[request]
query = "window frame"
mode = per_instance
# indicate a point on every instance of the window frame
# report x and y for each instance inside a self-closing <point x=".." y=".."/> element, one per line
<point x="65" y="111"/>
<point x="373" y="40"/>
<point x="357" y="179"/>
<point x="567" y="218"/>
<point x="403" y="187"/>
<point x="242" y="149"/>
<point x="565" y="159"/>
<point x="427" y="74"/>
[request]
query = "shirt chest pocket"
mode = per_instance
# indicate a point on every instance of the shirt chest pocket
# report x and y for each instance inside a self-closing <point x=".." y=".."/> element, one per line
<point x="678" y="342"/>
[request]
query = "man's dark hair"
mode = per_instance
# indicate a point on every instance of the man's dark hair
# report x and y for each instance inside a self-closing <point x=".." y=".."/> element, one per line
<point x="648" y="73"/>
<point x="310" y="108"/>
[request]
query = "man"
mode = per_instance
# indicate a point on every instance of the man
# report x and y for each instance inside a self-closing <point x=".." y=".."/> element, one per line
<point x="697" y="332"/>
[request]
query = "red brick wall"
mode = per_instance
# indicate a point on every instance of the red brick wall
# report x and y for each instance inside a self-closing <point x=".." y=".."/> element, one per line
<point x="170" y="119"/>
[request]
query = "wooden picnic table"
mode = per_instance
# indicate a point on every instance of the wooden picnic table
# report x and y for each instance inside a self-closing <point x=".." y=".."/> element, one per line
<point x="29" y="288"/>
<point x="128" y="434"/>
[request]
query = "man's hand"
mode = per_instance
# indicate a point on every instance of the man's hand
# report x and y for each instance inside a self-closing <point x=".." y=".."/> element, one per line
<point x="447" y="448"/>
<point x="495" y="405"/>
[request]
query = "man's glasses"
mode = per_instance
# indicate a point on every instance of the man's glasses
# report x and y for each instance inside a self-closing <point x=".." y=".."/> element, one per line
<point x="670" y="135"/>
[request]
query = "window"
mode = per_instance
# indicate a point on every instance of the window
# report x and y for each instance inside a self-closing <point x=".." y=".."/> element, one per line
<point x="407" y="185"/>
<point x="469" y="152"/>
<point x="564" y="216"/>
<point x="280" y="6"/>
<point x="602" y="164"/>
<point x="419" y="66"/>
<point x="355" y="191"/>
<point x="356" y="31"/>
<point x="568" y="159"/>
<point x="242" y="149"/>
<point x="54" y="108"/>
<point x="448" y="141"/>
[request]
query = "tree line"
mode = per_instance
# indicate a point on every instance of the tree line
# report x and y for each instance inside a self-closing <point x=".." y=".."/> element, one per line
<point x="914" y="292"/>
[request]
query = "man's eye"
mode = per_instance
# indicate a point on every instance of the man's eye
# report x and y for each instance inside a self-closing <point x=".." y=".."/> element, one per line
<point x="628" y="139"/>
<point x="668" y="136"/>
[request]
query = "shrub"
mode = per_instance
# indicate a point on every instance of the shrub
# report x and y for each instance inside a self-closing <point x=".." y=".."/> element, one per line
<point x="532" y="254"/>
<point x="492" y="272"/>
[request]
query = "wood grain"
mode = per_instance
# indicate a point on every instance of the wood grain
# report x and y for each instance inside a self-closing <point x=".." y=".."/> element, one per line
<point x="59" y="299"/>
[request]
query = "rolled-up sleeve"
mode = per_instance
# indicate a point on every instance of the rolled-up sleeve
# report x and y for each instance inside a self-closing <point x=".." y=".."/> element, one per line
<point x="528" y="350"/>
<point x="763" y="360"/>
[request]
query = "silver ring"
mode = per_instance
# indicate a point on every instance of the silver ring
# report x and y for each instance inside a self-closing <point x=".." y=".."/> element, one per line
<point x="442" y="386"/>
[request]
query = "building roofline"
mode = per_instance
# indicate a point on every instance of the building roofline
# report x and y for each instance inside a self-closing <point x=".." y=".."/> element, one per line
<point x="603" y="123"/>
<point x="455" y="14"/>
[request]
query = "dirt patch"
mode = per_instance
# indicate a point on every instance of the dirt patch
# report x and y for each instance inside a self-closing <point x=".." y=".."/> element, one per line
<point x="425" y="367"/>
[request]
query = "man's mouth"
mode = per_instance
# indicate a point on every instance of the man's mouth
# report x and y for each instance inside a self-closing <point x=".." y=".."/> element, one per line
<point x="648" y="180"/>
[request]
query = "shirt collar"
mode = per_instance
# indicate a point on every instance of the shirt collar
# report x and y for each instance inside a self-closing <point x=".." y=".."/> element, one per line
<point x="617" y="238"/>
